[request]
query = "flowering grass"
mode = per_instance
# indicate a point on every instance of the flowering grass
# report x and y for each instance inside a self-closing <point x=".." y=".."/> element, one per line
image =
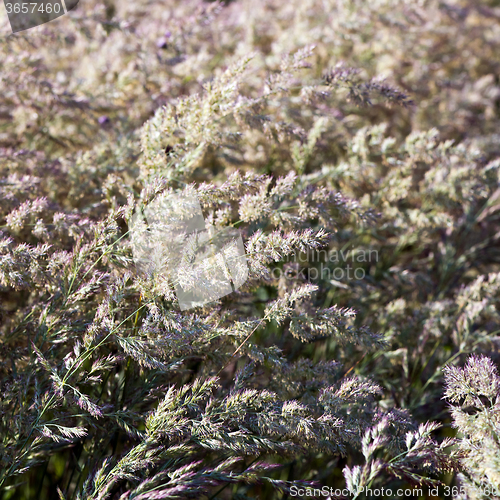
<point x="343" y="127"/>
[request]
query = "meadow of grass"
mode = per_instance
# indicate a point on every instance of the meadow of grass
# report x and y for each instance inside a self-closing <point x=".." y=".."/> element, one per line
<point x="356" y="147"/>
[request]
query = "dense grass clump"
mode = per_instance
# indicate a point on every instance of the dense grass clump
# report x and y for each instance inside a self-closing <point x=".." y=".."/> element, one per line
<point x="356" y="147"/>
